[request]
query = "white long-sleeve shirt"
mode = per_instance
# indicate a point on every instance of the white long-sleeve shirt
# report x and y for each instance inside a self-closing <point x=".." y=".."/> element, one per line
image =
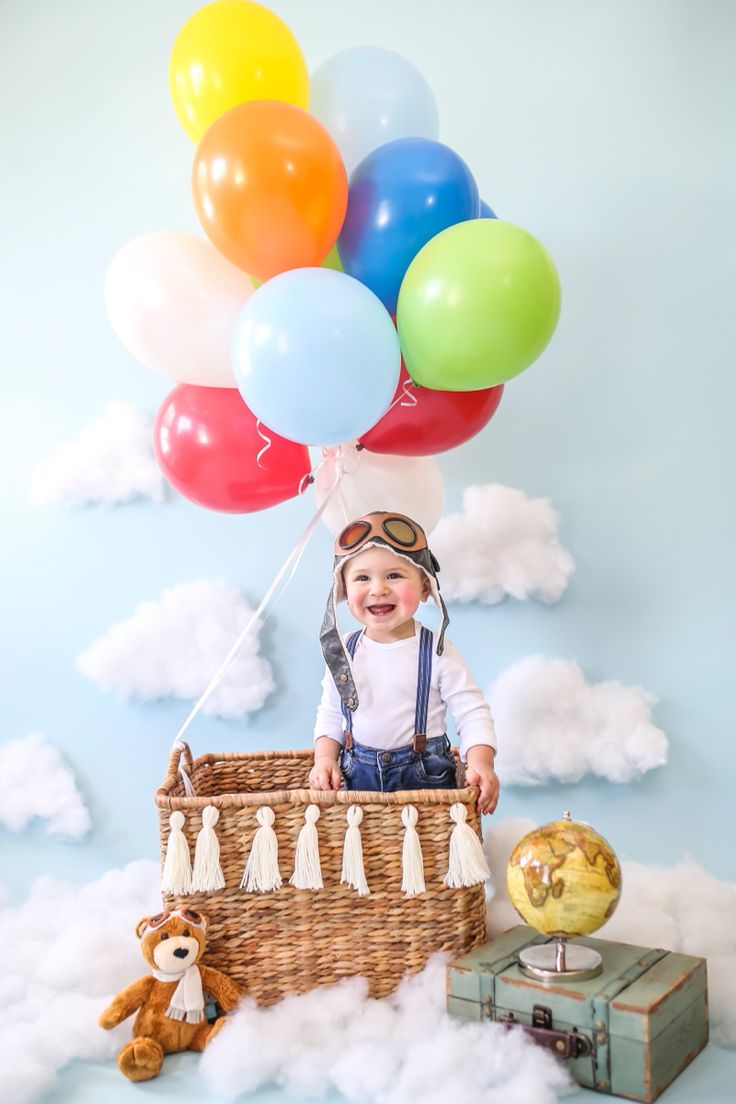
<point x="386" y="680"/>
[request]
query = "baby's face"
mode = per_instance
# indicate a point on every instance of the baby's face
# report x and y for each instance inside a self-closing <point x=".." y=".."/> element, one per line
<point x="384" y="592"/>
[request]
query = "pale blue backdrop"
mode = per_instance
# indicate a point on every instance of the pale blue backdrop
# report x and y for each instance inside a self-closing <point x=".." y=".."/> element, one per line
<point x="605" y="128"/>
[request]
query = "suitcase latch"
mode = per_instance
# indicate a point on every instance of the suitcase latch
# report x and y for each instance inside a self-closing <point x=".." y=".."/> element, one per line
<point x="565" y="1044"/>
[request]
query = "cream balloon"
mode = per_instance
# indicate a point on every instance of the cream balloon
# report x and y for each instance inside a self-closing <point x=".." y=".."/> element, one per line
<point x="173" y="301"/>
<point x="411" y="485"/>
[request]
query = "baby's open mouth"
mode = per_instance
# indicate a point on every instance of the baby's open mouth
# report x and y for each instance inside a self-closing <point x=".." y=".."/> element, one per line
<point x="381" y="611"/>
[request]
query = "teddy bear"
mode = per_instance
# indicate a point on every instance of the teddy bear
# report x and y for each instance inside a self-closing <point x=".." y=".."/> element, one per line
<point x="170" y="1000"/>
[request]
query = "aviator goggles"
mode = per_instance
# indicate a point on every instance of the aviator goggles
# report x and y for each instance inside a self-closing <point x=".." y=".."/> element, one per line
<point x="396" y="530"/>
<point x="189" y="915"/>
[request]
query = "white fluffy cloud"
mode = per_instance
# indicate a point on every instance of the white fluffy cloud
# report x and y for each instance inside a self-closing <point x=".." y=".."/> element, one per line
<point x="501" y="543"/>
<point x="64" y="953"/>
<point x="36" y="782"/>
<point x="682" y="908"/>
<point x="553" y="724"/>
<point x="404" y="1047"/>
<point x="111" y="461"/>
<point x="171" y="649"/>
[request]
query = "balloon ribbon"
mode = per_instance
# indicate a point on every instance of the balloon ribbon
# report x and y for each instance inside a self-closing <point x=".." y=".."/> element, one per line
<point x="281" y="581"/>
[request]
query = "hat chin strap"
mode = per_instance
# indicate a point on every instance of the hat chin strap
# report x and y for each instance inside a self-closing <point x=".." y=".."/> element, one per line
<point x="336" y="657"/>
<point x="445" y="622"/>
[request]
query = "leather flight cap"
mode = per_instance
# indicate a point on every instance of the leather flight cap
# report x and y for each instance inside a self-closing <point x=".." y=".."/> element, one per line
<point x="406" y="539"/>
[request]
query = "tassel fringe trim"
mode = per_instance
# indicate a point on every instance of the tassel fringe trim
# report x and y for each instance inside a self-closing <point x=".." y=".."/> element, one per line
<point x="467" y="864"/>
<point x="353" y="870"/>
<point x="176" y="876"/>
<point x="207" y="876"/>
<point x="412" y="862"/>
<point x="307" y="870"/>
<point x="262" y="874"/>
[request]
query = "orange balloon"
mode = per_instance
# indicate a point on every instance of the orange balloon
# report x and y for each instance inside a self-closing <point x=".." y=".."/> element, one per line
<point x="270" y="187"/>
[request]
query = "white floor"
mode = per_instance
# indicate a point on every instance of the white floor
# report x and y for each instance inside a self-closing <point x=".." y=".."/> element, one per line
<point x="710" y="1079"/>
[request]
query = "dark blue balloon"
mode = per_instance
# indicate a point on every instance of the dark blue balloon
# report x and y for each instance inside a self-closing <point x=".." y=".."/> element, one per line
<point x="401" y="196"/>
<point x="486" y="211"/>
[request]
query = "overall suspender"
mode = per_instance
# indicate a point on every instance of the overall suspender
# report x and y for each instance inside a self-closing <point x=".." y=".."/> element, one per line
<point x="424" y="679"/>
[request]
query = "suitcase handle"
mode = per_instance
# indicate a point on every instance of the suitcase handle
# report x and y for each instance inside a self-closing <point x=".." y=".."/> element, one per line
<point x="565" y="1044"/>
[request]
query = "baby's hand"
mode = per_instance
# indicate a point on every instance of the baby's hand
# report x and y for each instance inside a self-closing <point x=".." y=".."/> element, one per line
<point x="325" y="774"/>
<point x="487" y="779"/>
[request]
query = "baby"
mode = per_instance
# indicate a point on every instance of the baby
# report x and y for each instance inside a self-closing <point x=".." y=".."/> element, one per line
<point x="381" y="721"/>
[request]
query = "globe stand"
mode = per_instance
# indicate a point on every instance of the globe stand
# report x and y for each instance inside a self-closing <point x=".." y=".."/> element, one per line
<point x="560" y="961"/>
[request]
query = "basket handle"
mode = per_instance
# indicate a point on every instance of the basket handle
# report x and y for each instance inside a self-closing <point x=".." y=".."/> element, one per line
<point x="180" y="765"/>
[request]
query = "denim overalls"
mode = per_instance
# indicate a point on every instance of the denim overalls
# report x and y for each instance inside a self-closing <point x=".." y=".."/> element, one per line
<point x="422" y="765"/>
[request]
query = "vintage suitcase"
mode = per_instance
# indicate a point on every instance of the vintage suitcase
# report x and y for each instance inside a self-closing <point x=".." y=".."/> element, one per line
<point x="629" y="1031"/>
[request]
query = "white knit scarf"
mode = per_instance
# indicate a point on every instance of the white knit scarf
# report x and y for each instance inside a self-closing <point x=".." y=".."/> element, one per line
<point x="187" y="1003"/>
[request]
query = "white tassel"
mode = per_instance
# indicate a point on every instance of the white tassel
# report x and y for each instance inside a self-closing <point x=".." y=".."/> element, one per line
<point x="307" y="870"/>
<point x="177" y="873"/>
<point x="467" y="865"/>
<point x="207" y="874"/>
<point x="353" y="871"/>
<point x="411" y="856"/>
<point x="262" y="872"/>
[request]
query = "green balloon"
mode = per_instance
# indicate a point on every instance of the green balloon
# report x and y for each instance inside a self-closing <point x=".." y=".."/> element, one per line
<point x="477" y="306"/>
<point x="332" y="260"/>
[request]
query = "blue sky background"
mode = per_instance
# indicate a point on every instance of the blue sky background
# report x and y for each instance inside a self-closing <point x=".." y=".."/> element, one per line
<point x="607" y="131"/>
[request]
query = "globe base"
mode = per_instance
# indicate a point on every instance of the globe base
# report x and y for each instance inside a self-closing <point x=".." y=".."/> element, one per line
<point x="560" y="961"/>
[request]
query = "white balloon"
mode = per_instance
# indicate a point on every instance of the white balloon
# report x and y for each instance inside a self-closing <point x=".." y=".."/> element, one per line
<point x="411" y="485"/>
<point x="173" y="301"/>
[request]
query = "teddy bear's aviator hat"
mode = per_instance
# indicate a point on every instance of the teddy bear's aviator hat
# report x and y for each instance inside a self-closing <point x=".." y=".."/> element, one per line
<point x="405" y="538"/>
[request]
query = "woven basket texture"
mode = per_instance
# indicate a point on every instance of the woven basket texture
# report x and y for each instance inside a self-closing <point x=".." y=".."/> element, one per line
<point x="292" y="940"/>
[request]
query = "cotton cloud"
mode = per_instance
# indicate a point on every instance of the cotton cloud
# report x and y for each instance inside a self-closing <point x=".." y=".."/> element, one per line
<point x="501" y="543"/>
<point x="36" y="782"/>
<point x="404" y="1047"/>
<point x="553" y="724"/>
<point x="681" y="908"/>
<point x="171" y="649"/>
<point x="110" y="462"/>
<point x="64" y="954"/>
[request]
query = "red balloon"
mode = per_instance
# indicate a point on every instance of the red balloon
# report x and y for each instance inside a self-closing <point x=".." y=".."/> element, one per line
<point x="209" y="447"/>
<point x="425" y="421"/>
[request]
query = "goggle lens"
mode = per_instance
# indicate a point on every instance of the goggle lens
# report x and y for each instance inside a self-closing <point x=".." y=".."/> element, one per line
<point x="353" y="534"/>
<point x="157" y="920"/>
<point x="400" y="531"/>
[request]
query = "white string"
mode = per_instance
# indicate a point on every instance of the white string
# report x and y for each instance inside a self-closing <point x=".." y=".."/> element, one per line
<point x="407" y="393"/>
<point x="264" y="437"/>
<point x="283" y="577"/>
<point x="350" y="462"/>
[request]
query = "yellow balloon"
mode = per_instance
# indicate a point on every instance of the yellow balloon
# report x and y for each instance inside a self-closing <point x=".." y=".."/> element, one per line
<point x="228" y="53"/>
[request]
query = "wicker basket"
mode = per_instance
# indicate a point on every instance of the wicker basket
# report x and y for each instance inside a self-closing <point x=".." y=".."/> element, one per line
<point x="291" y="940"/>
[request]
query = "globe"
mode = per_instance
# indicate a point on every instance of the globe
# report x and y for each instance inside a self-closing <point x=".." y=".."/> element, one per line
<point x="564" y="878"/>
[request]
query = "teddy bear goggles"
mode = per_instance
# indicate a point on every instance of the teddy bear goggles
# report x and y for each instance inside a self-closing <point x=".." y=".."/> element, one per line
<point x="381" y="529"/>
<point x="161" y="918"/>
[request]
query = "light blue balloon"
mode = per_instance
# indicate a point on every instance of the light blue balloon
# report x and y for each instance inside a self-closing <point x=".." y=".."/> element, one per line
<point x="316" y="356"/>
<point x="367" y="96"/>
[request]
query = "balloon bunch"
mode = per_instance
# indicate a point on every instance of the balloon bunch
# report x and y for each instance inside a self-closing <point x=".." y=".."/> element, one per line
<point x="385" y="314"/>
